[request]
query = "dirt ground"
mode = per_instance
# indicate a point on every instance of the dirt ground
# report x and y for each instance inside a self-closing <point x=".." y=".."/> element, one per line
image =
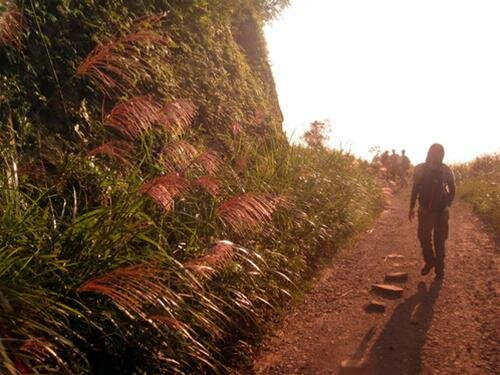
<point x="447" y="327"/>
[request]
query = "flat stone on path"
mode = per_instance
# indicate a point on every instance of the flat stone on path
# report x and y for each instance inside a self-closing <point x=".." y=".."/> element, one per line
<point x="393" y="256"/>
<point x="388" y="289"/>
<point x="397" y="276"/>
<point x="375" y="306"/>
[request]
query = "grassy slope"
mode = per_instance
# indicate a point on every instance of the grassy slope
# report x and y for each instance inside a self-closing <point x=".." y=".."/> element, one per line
<point x="96" y="276"/>
<point x="478" y="184"/>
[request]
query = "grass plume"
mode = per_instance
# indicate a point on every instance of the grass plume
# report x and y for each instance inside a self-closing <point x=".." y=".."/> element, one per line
<point x="216" y="258"/>
<point x="178" y="155"/>
<point x="132" y="288"/>
<point x="248" y="211"/>
<point x="114" y="149"/>
<point x="209" y="162"/>
<point x="12" y="28"/>
<point x="177" y="116"/>
<point x="118" y="65"/>
<point x="165" y="189"/>
<point x="210" y="184"/>
<point x="134" y="116"/>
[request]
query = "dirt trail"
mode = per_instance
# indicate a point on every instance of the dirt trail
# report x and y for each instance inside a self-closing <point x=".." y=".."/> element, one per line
<point x="448" y="327"/>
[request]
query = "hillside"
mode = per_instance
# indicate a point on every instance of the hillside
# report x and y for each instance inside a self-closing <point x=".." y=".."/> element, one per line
<point x="153" y="217"/>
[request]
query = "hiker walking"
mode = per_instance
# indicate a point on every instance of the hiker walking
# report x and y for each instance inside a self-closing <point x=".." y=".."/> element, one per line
<point x="393" y="165"/>
<point x="434" y="186"/>
<point x="384" y="160"/>
<point x="404" y="166"/>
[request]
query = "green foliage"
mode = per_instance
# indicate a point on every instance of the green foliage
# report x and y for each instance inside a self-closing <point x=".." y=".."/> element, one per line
<point x="317" y="134"/>
<point x="478" y="184"/>
<point x="272" y="8"/>
<point x="111" y="260"/>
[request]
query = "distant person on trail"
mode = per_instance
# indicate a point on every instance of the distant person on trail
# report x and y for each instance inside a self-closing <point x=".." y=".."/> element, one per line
<point x="404" y="166"/>
<point x="393" y="165"/>
<point x="384" y="160"/>
<point x="434" y="186"/>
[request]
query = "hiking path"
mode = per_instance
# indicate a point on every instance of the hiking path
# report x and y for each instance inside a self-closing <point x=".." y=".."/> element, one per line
<point x="436" y="327"/>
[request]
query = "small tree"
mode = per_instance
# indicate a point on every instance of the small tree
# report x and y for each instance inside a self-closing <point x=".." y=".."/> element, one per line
<point x="272" y="8"/>
<point x="318" y="134"/>
<point x="376" y="151"/>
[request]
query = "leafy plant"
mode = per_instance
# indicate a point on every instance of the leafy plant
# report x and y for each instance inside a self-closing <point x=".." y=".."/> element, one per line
<point x="478" y="184"/>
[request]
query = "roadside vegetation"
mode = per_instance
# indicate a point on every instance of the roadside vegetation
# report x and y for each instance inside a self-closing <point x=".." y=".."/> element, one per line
<point x="152" y="213"/>
<point x="479" y="184"/>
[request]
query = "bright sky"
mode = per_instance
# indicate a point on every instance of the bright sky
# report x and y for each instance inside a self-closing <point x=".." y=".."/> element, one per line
<point x="392" y="73"/>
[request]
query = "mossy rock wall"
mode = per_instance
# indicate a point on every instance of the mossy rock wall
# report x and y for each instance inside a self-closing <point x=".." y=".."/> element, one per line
<point x="216" y="58"/>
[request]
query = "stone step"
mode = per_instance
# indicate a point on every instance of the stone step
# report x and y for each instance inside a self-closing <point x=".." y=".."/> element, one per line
<point x="375" y="306"/>
<point x="400" y="277"/>
<point x="388" y="289"/>
<point x="393" y="256"/>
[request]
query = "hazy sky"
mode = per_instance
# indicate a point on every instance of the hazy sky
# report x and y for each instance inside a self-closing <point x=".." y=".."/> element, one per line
<point x="392" y="73"/>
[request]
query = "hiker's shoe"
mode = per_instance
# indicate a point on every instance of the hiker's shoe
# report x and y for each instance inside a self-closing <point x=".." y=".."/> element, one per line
<point x="427" y="268"/>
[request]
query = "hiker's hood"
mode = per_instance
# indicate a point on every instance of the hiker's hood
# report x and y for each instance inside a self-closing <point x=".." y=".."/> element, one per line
<point x="435" y="155"/>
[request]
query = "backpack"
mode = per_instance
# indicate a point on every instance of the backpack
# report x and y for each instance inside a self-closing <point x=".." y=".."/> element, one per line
<point x="433" y="194"/>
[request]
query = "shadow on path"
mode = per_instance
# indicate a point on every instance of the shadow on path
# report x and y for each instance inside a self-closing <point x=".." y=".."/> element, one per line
<point x="398" y="350"/>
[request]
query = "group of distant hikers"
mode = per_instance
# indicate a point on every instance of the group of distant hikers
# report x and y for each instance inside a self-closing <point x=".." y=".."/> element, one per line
<point x="395" y="167"/>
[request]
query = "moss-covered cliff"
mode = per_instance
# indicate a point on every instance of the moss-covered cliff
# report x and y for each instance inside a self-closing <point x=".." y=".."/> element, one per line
<point x="214" y="54"/>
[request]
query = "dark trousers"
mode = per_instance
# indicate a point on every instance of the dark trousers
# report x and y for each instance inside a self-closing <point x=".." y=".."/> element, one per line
<point x="433" y="230"/>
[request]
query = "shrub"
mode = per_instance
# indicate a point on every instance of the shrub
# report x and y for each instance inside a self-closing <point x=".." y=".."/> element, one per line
<point x="478" y="183"/>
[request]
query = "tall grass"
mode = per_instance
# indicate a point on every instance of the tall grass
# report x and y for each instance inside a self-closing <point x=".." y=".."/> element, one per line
<point x="126" y="286"/>
<point x="136" y="246"/>
<point x="11" y="27"/>
<point x="479" y="184"/>
<point x="116" y="66"/>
